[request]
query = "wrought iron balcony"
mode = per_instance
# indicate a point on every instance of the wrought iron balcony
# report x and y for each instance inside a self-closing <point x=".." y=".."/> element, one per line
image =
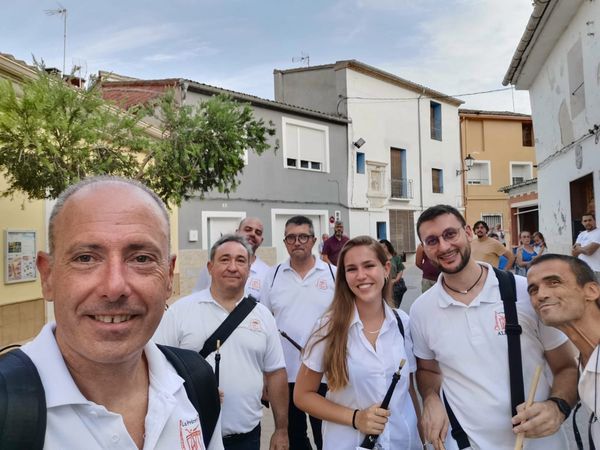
<point x="402" y="188"/>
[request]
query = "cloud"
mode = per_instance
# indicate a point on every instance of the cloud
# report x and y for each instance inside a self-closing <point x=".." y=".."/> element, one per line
<point x="468" y="50"/>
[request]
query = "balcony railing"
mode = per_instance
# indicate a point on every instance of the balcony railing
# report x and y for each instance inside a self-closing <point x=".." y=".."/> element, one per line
<point x="402" y="188"/>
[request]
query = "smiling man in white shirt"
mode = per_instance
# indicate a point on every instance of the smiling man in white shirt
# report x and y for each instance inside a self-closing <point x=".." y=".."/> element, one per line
<point x="109" y="273"/>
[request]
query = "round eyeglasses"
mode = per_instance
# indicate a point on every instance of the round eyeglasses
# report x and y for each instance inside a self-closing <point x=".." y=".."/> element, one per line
<point x="302" y="238"/>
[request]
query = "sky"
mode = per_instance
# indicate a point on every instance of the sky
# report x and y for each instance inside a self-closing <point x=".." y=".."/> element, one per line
<point x="453" y="46"/>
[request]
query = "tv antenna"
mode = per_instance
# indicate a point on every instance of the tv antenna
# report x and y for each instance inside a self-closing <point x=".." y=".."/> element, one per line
<point x="304" y="58"/>
<point x="61" y="11"/>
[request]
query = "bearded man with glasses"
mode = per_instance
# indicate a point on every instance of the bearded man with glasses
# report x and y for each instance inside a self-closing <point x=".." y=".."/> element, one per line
<point x="460" y="340"/>
<point x="298" y="292"/>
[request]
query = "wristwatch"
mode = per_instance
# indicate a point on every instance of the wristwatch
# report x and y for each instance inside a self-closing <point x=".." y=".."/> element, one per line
<point x="563" y="406"/>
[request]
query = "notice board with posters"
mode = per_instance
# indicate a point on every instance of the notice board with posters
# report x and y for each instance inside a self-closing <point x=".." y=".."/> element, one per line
<point x="19" y="256"/>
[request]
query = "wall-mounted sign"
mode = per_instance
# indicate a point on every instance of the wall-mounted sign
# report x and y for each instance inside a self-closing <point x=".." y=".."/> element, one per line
<point x="19" y="256"/>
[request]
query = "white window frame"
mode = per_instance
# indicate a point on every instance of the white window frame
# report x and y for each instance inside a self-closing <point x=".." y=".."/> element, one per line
<point x="301" y="123"/>
<point x="520" y="163"/>
<point x="488" y="214"/>
<point x="489" y="167"/>
<point x="206" y="215"/>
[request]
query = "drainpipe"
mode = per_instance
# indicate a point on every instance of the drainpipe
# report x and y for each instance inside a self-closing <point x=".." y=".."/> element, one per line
<point x="420" y="150"/>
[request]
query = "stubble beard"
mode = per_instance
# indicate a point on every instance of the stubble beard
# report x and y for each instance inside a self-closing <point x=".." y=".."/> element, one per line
<point x="464" y="260"/>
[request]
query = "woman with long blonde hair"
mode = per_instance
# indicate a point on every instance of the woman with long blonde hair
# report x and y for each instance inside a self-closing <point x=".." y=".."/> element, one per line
<point x="357" y="346"/>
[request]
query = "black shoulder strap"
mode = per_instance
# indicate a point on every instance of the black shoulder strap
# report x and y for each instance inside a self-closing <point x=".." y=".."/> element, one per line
<point x="22" y="403"/>
<point x="400" y="324"/>
<point x="457" y="432"/>
<point x="234" y="318"/>
<point x="275" y="274"/>
<point x="331" y="271"/>
<point x="200" y="386"/>
<point x="508" y="292"/>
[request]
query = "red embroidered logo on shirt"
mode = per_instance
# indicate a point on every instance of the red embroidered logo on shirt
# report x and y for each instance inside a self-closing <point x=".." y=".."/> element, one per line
<point x="190" y="434"/>
<point x="255" y="284"/>
<point x="500" y="323"/>
<point x="255" y="325"/>
<point x="322" y="284"/>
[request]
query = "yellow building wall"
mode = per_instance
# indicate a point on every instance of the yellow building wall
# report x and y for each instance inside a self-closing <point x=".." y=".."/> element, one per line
<point x="500" y="141"/>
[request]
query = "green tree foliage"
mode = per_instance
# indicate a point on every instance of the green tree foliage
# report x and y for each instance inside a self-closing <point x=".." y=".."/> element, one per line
<point x="52" y="135"/>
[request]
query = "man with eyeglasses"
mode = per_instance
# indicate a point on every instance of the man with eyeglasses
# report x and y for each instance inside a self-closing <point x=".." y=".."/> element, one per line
<point x="298" y="292"/>
<point x="459" y="333"/>
<point x="487" y="249"/>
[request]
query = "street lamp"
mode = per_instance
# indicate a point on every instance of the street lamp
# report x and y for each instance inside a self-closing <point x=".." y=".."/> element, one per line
<point x="469" y="160"/>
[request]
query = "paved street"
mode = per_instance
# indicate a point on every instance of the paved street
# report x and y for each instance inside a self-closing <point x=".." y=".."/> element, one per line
<point x="412" y="276"/>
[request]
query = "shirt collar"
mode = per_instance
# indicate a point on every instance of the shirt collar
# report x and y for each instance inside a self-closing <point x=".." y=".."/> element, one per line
<point x="389" y="320"/>
<point x="59" y="386"/>
<point x="490" y="293"/>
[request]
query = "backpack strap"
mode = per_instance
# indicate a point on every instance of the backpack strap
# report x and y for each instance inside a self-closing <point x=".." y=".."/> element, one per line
<point x="22" y="403"/>
<point x="400" y="324"/>
<point x="200" y="386"/>
<point x="235" y="317"/>
<point x="513" y="330"/>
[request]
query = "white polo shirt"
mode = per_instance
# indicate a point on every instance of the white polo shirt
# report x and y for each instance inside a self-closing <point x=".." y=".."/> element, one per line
<point x="297" y="303"/>
<point x="589" y="385"/>
<point x="258" y="269"/>
<point x="370" y="373"/>
<point x="588" y="237"/>
<point x="251" y="350"/>
<point x="75" y="422"/>
<point x="471" y="348"/>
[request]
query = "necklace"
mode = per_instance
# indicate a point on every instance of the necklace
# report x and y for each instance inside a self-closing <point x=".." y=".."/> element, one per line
<point x="466" y="291"/>
<point x="373" y="332"/>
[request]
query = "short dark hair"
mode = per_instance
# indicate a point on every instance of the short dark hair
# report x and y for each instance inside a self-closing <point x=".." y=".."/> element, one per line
<point x="582" y="271"/>
<point x="589" y="214"/>
<point x="436" y="211"/>
<point x="231" y="238"/>
<point x="389" y="246"/>
<point x="481" y="222"/>
<point x="301" y="220"/>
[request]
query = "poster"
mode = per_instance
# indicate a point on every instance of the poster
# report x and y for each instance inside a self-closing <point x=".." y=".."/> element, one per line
<point x="19" y="256"/>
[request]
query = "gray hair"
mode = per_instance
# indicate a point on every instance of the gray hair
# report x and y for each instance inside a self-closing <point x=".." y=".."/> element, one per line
<point x="102" y="179"/>
<point x="301" y="220"/>
<point x="231" y="238"/>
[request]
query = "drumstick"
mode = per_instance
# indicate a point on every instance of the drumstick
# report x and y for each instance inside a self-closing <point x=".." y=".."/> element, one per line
<point x="532" y="389"/>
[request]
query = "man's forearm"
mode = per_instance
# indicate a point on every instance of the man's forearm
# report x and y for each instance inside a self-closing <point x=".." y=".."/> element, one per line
<point x="428" y="383"/>
<point x="277" y="387"/>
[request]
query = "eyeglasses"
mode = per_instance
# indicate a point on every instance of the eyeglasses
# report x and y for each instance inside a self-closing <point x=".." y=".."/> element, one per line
<point x="449" y="235"/>
<point x="302" y="238"/>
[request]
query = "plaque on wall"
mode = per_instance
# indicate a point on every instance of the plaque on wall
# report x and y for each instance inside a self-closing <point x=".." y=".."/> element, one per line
<point x="19" y="256"/>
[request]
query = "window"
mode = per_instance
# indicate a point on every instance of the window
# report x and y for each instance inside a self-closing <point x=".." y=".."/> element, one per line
<point x="492" y="219"/>
<point x="400" y="185"/>
<point x="435" y="117"/>
<point x="437" y="181"/>
<point x="381" y="230"/>
<point x="305" y="145"/>
<point x="520" y="171"/>
<point x="479" y="173"/>
<point x="527" y="129"/>
<point x="576" y="82"/>
<point x="360" y="162"/>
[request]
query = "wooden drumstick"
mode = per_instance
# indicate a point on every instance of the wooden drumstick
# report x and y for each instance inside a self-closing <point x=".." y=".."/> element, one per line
<point x="532" y="389"/>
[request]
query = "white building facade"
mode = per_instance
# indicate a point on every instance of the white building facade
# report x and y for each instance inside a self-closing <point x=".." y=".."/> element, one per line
<point x="558" y="61"/>
<point x="403" y="143"/>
